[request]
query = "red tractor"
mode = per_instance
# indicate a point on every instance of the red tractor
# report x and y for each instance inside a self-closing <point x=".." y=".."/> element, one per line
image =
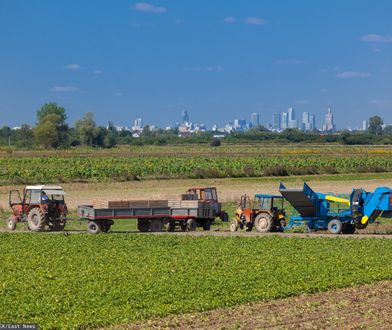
<point x="41" y="206"/>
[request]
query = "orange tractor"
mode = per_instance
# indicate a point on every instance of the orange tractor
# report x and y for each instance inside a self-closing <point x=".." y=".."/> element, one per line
<point x="265" y="212"/>
<point x="40" y="206"/>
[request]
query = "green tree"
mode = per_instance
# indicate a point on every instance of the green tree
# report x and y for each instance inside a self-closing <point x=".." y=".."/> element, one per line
<point x="24" y="137"/>
<point x="375" y="125"/>
<point x="51" y="130"/>
<point x="49" y="109"/>
<point x="86" y="129"/>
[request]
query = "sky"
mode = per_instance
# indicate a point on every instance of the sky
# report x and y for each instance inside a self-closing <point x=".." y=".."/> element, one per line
<point x="219" y="60"/>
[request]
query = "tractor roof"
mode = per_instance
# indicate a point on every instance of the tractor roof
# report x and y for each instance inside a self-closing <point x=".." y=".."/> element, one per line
<point x="50" y="190"/>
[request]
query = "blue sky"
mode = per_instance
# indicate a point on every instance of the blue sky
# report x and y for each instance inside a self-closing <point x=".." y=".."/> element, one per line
<point x="219" y="60"/>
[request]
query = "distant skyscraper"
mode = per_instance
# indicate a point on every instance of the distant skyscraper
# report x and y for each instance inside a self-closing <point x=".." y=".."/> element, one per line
<point x="305" y="121"/>
<point x="285" y="121"/>
<point x="365" y="125"/>
<point x="312" y="121"/>
<point x="185" y="116"/>
<point x="292" y="122"/>
<point x="329" y="124"/>
<point x="276" y="122"/>
<point x="138" y="124"/>
<point x="254" y="119"/>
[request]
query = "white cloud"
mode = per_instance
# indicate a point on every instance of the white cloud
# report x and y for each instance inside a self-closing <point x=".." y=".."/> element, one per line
<point x="64" y="89"/>
<point x="255" y="21"/>
<point x="376" y="38"/>
<point x="148" y="8"/>
<point x="216" y="68"/>
<point x="230" y="20"/>
<point x="97" y="72"/>
<point x="382" y="103"/>
<point x="72" y="66"/>
<point x="288" y="61"/>
<point x="353" y="74"/>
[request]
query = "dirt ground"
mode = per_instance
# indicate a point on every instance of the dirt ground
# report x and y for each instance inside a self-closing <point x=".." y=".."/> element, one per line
<point x="363" y="307"/>
<point x="98" y="194"/>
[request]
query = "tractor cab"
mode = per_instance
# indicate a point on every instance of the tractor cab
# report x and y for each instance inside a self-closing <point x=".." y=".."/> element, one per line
<point x="209" y="196"/>
<point x="40" y="204"/>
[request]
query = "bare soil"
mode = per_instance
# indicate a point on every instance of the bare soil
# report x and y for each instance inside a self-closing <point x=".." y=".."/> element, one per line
<point x="364" y="307"/>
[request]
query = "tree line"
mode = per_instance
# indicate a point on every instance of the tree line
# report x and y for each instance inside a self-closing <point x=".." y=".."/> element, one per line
<point x="52" y="131"/>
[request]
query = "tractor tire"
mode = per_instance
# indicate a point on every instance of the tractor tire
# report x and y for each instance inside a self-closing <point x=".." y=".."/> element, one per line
<point x="156" y="225"/>
<point x="11" y="223"/>
<point x="224" y="217"/>
<point x="207" y="225"/>
<point x="94" y="227"/>
<point x="36" y="219"/>
<point x="263" y="223"/>
<point x="191" y="225"/>
<point x="234" y="225"/>
<point x="171" y="226"/>
<point x="348" y="228"/>
<point x="143" y="225"/>
<point x="335" y="226"/>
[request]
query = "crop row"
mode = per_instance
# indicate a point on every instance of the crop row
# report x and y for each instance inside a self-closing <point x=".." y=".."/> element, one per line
<point x="82" y="281"/>
<point x="66" y="169"/>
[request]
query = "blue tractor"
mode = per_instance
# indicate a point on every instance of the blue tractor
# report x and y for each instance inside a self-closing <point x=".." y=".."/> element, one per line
<point x="338" y="215"/>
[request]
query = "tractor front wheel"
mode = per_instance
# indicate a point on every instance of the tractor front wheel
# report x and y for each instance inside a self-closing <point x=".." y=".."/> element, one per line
<point x="335" y="226"/>
<point x="234" y="225"/>
<point x="263" y="223"/>
<point x="11" y="223"/>
<point x="36" y="219"/>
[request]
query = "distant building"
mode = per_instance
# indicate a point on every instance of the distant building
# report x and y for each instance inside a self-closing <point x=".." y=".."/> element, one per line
<point x="185" y="116"/>
<point x="292" y="122"/>
<point x="365" y="125"/>
<point x="276" y="122"/>
<point x="305" y="121"/>
<point x="312" y="121"/>
<point x="285" y="121"/>
<point x="255" y="119"/>
<point x="138" y="124"/>
<point x="239" y="124"/>
<point x="329" y="125"/>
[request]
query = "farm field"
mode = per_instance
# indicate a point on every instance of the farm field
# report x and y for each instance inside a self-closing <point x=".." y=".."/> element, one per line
<point x="196" y="161"/>
<point x="107" y="280"/>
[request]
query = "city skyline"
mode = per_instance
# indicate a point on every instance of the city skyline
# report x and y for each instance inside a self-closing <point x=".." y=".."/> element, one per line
<point x="216" y="60"/>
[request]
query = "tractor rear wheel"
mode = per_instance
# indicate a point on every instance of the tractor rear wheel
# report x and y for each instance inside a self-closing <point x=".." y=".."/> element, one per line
<point x="335" y="226"/>
<point x="11" y="223"/>
<point x="191" y="224"/>
<point x="143" y="225"/>
<point x="94" y="227"/>
<point x="207" y="225"/>
<point x="36" y="219"/>
<point x="263" y="223"/>
<point x="171" y="226"/>
<point x="156" y="225"/>
<point x="348" y="228"/>
<point x="234" y="225"/>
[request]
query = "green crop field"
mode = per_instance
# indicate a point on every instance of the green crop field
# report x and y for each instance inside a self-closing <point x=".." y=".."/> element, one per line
<point x="69" y="281"/>
<point x="133" y="163"/>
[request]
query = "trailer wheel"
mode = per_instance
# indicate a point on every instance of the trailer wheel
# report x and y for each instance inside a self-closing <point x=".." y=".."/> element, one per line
<point x="36" y="219"/>
<point x="348" y="228"/>
<point x="263" y="223"/>
<point x="156" y="225"/>
<point x="206" y="225"/>
<point x="105" y="225"/>
<point x="234" y="225"/>
<point x="94" y="227"/>
<point x="171" y="226"/>
<point x="143" y="225"/>
<point x="335" y="226"/>
<point x="191" y="224"/>
<point x="11" y="223"/>
<point x="183" y="226"/>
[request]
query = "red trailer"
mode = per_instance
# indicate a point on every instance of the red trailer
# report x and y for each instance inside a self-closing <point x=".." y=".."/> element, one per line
<point x="198" y="207"/>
